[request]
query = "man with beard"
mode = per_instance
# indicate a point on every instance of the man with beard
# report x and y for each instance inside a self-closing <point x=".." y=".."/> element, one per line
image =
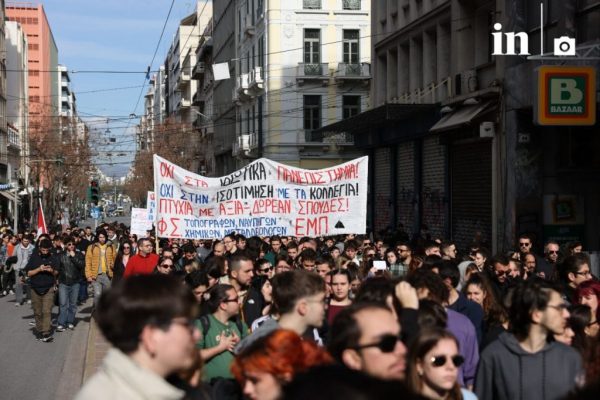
<point x="524" y="363"/>
<point x="366" y="337"/>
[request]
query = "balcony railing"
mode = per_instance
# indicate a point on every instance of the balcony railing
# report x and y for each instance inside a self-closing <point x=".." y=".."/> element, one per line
<point x="351" y="4"/>
<point x="337" y="138"/>
<point x="312" y="71"/>
<point x="311" y="4"/>
<point x="198" y="70"/>
<point x="353" y="71"/>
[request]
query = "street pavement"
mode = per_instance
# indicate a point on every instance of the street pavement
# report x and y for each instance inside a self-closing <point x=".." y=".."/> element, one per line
<point x="125" y="219"/>
<point x="35" y="370"/>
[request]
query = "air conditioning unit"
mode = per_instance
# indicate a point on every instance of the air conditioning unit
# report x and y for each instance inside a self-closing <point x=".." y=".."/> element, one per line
<point x="244" y="142"/>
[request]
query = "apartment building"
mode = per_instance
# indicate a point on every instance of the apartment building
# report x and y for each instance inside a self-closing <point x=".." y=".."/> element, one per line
<point x="43" y="57"/>
<point x="17" y="101"/>
<point x="451" y="135"/>
<point x="203" y="100"/>
<point x="223" y="117"/>
<point x="180" y="61"/>
<point x="300" y="65"/>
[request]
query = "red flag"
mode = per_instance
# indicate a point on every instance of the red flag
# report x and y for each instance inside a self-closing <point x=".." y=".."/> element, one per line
<point x="41" y="221"/>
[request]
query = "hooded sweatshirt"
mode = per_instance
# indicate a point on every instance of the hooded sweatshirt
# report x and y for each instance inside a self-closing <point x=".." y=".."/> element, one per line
<point x="508" y="372"/>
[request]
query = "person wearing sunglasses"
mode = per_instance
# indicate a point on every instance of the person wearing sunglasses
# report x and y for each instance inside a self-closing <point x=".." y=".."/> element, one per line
<point x="165" y="267"/>
<point x="71" y="264"/>
<point x="433" y="365"/>
<point x="524" y="363"/>
<point x="366" y="337"/>
<point x="572" y="272"/>
<point x="221" y="330"/>
<point x="263" y="267"/>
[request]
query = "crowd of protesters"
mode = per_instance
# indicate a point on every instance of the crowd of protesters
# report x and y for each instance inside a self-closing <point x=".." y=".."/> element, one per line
<point x="335" y="317"/>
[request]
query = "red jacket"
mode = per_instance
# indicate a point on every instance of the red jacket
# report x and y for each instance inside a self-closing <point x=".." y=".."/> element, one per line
<point x="139" y="265"/>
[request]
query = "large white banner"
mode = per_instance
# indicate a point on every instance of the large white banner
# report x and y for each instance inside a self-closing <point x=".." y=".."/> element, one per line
<point x="262" y="199"/>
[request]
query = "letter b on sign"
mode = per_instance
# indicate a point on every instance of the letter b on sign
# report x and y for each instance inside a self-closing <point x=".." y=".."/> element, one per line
<point x="565" y="91"/>
<point x="566" y="96"/>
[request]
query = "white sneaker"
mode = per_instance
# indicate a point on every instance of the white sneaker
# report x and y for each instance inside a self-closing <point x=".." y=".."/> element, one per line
<point x="71" y="326"/>
<point x="4" y="293"/>
<point x="12" y="292"/>
<point x="28" y="301"/>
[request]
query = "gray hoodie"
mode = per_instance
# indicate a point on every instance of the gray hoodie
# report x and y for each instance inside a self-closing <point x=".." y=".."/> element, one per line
<point x="507" y="372"/>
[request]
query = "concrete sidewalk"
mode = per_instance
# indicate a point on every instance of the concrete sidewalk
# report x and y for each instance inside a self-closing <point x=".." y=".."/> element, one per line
<point x="97" y="347"/>
<point x="85" y="355"/>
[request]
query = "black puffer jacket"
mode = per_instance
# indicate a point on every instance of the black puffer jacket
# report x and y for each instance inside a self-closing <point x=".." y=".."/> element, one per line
<point x="70" y="268"/>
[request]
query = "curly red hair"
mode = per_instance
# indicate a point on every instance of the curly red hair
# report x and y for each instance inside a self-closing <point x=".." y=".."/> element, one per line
<point x="281" y="354"/>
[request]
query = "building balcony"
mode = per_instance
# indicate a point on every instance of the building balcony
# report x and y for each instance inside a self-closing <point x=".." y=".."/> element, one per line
<point x="198" y="70"/>
<point x="351" y="4"/>
<point x="353" y="73"/>
<point x="311" y="4"/>
<point x="184" y="103"/>
<point x="325" y="138"/>
<point x="256" y="82"/>
<point x="312" y="72"/>
<point x="204" y="47"/>
<point x="184" y="78"/>
<point x="198" y="98"/>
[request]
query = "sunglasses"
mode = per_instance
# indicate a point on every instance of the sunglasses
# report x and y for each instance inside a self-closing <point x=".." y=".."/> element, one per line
<point x="268" y="269"/>
<point x="126" y="247"/>
<point x="386" y="344"/>
<point x="502" y="273"/>
<point x="440" y="361"/>
<point x="170" y="266"/>
<point x="524" y="244"/>
<point x="553" y="252"/>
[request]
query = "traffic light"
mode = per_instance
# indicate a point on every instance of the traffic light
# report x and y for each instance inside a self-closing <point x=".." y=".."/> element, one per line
<point x="94" y="192"/>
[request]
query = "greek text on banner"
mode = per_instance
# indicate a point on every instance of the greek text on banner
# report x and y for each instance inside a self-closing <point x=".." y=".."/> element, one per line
<point x="264" y="198"/>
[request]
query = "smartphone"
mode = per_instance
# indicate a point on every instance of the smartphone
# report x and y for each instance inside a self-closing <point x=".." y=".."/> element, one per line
<point x="380" y="265"/>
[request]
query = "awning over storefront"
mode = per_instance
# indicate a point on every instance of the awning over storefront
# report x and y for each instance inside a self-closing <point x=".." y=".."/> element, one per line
<point x="462" y="116"/>
<point x="4" y="191"/>
<point x="386" y="124"/>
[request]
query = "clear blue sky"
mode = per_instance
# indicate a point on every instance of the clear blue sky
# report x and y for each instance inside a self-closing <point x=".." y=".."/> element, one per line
<point x="112" y="35"/>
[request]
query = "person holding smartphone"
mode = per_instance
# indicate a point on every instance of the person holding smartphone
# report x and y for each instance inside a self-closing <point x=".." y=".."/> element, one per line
<point x="42" y="269"/>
